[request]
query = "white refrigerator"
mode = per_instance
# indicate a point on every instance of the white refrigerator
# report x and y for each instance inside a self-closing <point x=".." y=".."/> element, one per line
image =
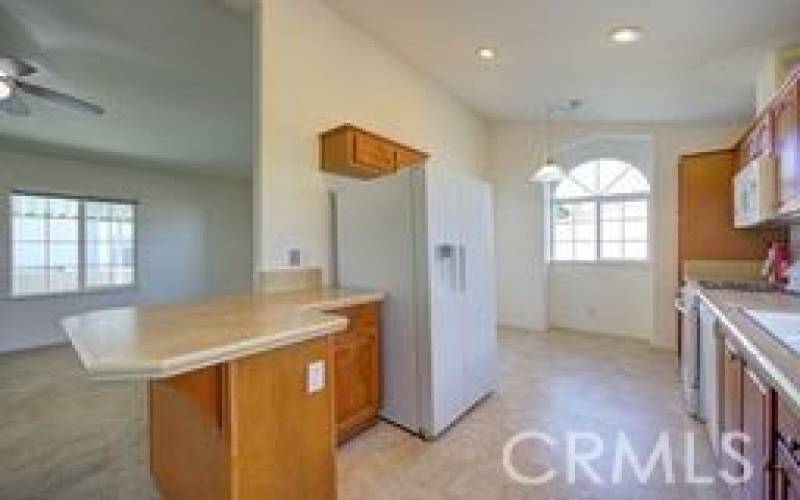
<point x="425" y="237"/>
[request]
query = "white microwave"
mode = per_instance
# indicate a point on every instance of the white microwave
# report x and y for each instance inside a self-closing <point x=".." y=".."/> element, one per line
<point x="755" y="193"/>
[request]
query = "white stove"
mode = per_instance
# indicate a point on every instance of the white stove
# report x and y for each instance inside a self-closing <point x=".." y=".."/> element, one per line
<point x="700" y="345"/>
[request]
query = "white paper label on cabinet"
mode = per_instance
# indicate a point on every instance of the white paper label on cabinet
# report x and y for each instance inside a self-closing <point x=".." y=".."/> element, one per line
<point x="315" y="378"/>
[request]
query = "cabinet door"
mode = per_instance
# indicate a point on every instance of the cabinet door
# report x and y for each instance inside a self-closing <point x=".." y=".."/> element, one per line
<point x="756" y="423"/>
<point x="372" y="152"/>
<point x="405" y="157"/>
<point x="787" y="146"/>
<point x="787" y="472"/>
<point x="765" y="144"/>
<point x="759" y="140"/>
<point x="357" y="372"/>
<point x="732" y="418"/>
<point x="354" y="368"/>
<point x="787" y="452"/>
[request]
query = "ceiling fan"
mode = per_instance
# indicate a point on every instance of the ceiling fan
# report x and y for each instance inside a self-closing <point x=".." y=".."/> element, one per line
<point x="12" y="72"/>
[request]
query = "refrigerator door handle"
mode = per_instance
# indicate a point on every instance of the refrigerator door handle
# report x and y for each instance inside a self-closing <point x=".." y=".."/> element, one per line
<point x="462" y="265"/>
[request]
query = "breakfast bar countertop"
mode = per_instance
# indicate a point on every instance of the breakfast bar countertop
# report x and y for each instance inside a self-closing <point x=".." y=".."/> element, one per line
<point x="772" y="358"/>
<point x="160" y="341"/>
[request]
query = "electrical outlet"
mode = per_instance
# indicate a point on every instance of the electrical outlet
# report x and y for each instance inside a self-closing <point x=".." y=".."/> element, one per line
<point x="295" y="257"/>
<point x="315" y="377"/>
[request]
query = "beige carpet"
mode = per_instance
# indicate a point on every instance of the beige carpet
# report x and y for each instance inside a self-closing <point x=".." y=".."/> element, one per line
<point x="65" y="437"/>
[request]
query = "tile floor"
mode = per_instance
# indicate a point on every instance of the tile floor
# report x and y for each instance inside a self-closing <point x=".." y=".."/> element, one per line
<point x="65" y="437"/>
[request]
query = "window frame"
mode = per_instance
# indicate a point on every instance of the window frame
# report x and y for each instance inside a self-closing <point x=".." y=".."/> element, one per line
<point x="82" y="289"/>
<point x="598" y="200"/>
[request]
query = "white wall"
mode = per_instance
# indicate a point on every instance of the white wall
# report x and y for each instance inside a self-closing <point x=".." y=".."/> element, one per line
<point x="516" y="148"/>
<point x="614" y="299"/>
<point x="317" y="72"/>
<point x="194" y="238"/>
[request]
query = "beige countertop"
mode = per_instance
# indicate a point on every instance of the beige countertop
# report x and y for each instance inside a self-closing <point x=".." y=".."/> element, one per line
<point x="166" y="340"/>
<point x="771" y="358"/>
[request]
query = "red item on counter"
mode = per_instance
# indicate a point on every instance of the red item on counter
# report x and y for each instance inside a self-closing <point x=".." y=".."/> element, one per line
<point x="776" y="266"/>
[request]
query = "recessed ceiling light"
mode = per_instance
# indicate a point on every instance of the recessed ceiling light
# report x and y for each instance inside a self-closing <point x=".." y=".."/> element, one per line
<point x="626" y="34"/>
<point x="486" y="53"/>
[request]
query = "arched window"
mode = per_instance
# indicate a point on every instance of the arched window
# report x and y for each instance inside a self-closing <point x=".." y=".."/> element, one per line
<point x="599" y="212"/>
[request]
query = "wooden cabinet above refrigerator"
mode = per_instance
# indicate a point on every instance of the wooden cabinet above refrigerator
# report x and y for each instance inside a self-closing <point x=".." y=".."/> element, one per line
<point x="354" y="152"/>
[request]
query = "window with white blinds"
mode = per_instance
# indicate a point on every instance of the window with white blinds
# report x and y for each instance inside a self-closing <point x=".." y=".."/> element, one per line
<point x="62" y="244"/>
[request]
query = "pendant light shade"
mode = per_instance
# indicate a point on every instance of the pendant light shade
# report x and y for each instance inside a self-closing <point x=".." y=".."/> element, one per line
<point x="548" y="173"/>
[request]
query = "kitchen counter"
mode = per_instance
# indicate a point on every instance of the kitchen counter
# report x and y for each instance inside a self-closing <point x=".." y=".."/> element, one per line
<point x="240" y="388"/>
<point x="154" y="342"/>
<point x="775" y="360"/>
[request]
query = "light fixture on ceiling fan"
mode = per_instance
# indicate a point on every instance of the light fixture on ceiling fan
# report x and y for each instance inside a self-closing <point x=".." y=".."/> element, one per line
<point x="12" y="72"/>
<point x="551" y="171"/>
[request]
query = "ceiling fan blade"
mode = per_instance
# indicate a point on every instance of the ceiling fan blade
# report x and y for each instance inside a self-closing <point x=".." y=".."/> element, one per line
<point x="21" y="68"/>
<point x="59" y="98"/>
<point x="15" y="106"/>
<point x="16" y="67"/>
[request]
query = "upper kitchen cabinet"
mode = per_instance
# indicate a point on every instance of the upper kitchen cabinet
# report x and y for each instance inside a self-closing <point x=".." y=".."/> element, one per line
<point x="758" y="141"/>
<point x="353" y="152"/>
<point x="786" y="110"/>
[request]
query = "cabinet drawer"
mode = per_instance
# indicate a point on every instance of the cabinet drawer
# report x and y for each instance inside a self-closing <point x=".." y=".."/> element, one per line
<point x="372" y="153"/>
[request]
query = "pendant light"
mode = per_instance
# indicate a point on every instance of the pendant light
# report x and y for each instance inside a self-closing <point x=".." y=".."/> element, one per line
<point x="551" y="171"/>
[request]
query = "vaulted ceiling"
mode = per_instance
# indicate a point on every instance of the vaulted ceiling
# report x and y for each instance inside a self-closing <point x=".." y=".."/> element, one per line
<point x="175" y="77"/>
<point x="697" y="61"/>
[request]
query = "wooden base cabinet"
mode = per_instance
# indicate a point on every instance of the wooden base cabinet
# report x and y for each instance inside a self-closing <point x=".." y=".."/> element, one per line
<point x="757" y="424"/>
<point x="357" y="375"/>
<point x="787" y="453"/>
<point x="246" y="429"/>
<point x="732" y="414"/>
<point x="748" y="410"/>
